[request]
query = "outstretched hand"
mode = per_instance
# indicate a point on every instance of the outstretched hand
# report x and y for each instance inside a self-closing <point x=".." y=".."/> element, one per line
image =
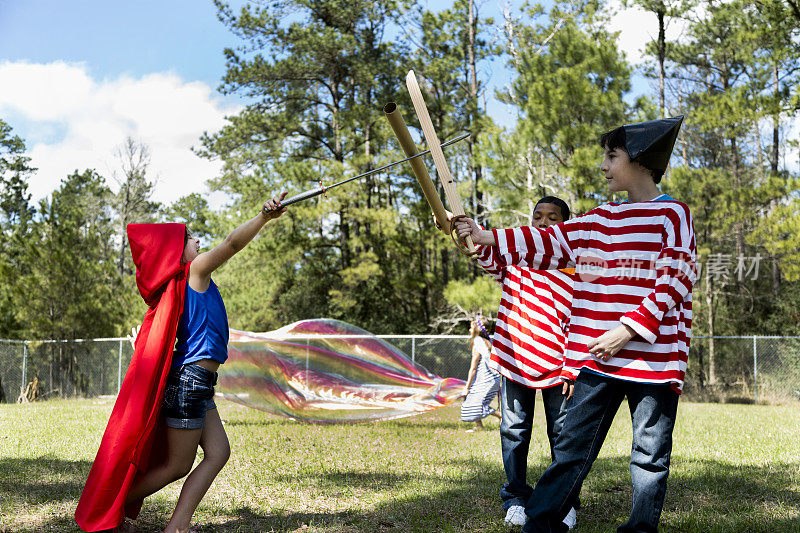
<point x="467" y="227"/>
<point x="272" y="207"/>
<point x="133" y="335"/>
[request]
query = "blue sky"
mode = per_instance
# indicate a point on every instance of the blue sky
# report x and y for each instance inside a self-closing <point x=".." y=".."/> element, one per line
<point x="77" y="77"/>
<point x="139" y="38"/>
<point x="114" y="37"/>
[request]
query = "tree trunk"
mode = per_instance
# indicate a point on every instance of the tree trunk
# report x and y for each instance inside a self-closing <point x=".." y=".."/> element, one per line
<point x="52" y="356"/>
<point x="445" y="255"/>
<point x="738" y="227"/>
<point x="472" y="25"/>
<point x="60" y="370"/>
<point x="368" y="153"/>
<point x="529" y="184"/>
<point x="660" y="12"/>
<point x="123" y="233"/>
<point x="773" y="203"/>
<point x="338" y="155"/>
<point x="739" y="224"/>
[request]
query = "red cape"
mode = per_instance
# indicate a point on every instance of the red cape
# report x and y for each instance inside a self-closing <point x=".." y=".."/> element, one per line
<point x="134" y="429"/>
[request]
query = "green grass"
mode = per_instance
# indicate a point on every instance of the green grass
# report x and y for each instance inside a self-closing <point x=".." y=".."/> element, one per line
<point x="735" y="468"/>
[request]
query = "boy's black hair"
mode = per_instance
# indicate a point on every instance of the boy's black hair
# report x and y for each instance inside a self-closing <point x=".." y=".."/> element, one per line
<point x="565" y="212"/>
<point x="617" y="138"/>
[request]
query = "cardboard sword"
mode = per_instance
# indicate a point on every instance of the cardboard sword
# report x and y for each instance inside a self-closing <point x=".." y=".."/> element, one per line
<point x="453" y="199"/>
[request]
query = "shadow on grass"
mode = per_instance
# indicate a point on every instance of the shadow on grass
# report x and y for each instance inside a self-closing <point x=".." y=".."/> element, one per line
<point x="714" y="496"/>
<point x="44" y="480"/>
<point x="373" y="480"/>
<point x="703" y="496"/>
<point x="26" y="484"/>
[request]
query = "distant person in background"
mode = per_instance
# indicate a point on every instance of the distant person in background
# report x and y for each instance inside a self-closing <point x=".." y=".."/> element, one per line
<point x="165" y="408"/>
<point x="483" y="383"/>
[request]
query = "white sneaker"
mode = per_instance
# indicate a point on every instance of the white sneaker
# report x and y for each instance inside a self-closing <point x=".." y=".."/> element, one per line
<point x="571" y="519"/>
<point x="515" y="516"/>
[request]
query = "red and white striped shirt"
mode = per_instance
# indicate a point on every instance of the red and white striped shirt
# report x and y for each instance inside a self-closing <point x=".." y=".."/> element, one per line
<point x="635" y="264"/>
<point x="531" y="330"/>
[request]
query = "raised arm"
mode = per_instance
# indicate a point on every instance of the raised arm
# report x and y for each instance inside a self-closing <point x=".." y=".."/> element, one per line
<point x="206" y="263"/>
<point x="527" y="246"/>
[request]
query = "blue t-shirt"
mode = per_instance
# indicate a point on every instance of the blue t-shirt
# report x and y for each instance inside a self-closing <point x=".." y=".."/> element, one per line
<point x="203" y="330"/>
<point x="663" y="197"/>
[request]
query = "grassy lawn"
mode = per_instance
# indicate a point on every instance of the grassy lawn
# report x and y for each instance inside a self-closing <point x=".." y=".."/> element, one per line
<point x="735" y="468"/>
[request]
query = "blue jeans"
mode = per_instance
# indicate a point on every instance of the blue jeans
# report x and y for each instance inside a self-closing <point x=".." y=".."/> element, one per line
<point x="516" y="405"/>
<point x="589" y="415"/>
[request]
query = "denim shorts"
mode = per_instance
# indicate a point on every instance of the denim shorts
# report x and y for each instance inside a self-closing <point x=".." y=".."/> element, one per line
<point x="188" y="395"/>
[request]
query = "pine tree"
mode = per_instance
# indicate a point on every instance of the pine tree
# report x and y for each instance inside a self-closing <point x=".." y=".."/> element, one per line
<point x="72" y="288"/>
<point x="316" y="76"/>
<point x="16" y="214"/>
<point x="569" y="88"/>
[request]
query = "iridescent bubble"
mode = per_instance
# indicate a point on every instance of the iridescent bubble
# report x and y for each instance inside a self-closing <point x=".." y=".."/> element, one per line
<point x="327" y="371"/>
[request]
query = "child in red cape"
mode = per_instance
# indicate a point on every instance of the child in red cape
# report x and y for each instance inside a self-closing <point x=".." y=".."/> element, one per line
<point x="165" y="407"/>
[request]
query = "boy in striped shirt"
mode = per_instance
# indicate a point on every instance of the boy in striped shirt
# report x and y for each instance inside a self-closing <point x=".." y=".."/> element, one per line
<point x="630" y="323"/>
<point x="528" y="351"/>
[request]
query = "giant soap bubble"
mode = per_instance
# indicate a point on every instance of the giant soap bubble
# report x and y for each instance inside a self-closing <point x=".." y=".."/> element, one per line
<point x="327" y="371"/>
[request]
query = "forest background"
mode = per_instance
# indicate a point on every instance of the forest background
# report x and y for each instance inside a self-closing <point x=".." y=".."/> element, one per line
<point x="313" y="78"/>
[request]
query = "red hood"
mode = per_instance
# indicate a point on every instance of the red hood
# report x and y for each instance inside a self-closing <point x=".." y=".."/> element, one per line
<point x="157" y="250"/>
<point x="135" y="438"/>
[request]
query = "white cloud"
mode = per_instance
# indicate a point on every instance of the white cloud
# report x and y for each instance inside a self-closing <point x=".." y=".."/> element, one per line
<point x="638" y="27"/>
<point x="71" y="121"/>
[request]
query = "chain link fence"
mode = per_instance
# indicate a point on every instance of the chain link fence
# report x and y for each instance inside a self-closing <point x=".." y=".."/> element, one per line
<point x="753" y="369"/>
<point x="447" y="356"/>
<point x="63" y="369"/>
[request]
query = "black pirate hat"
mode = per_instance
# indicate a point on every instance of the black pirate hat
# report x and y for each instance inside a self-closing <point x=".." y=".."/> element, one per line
<point x="650" y="143"/>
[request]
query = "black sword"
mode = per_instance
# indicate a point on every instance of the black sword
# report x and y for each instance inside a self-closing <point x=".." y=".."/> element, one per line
<point x="322" y="188"/>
